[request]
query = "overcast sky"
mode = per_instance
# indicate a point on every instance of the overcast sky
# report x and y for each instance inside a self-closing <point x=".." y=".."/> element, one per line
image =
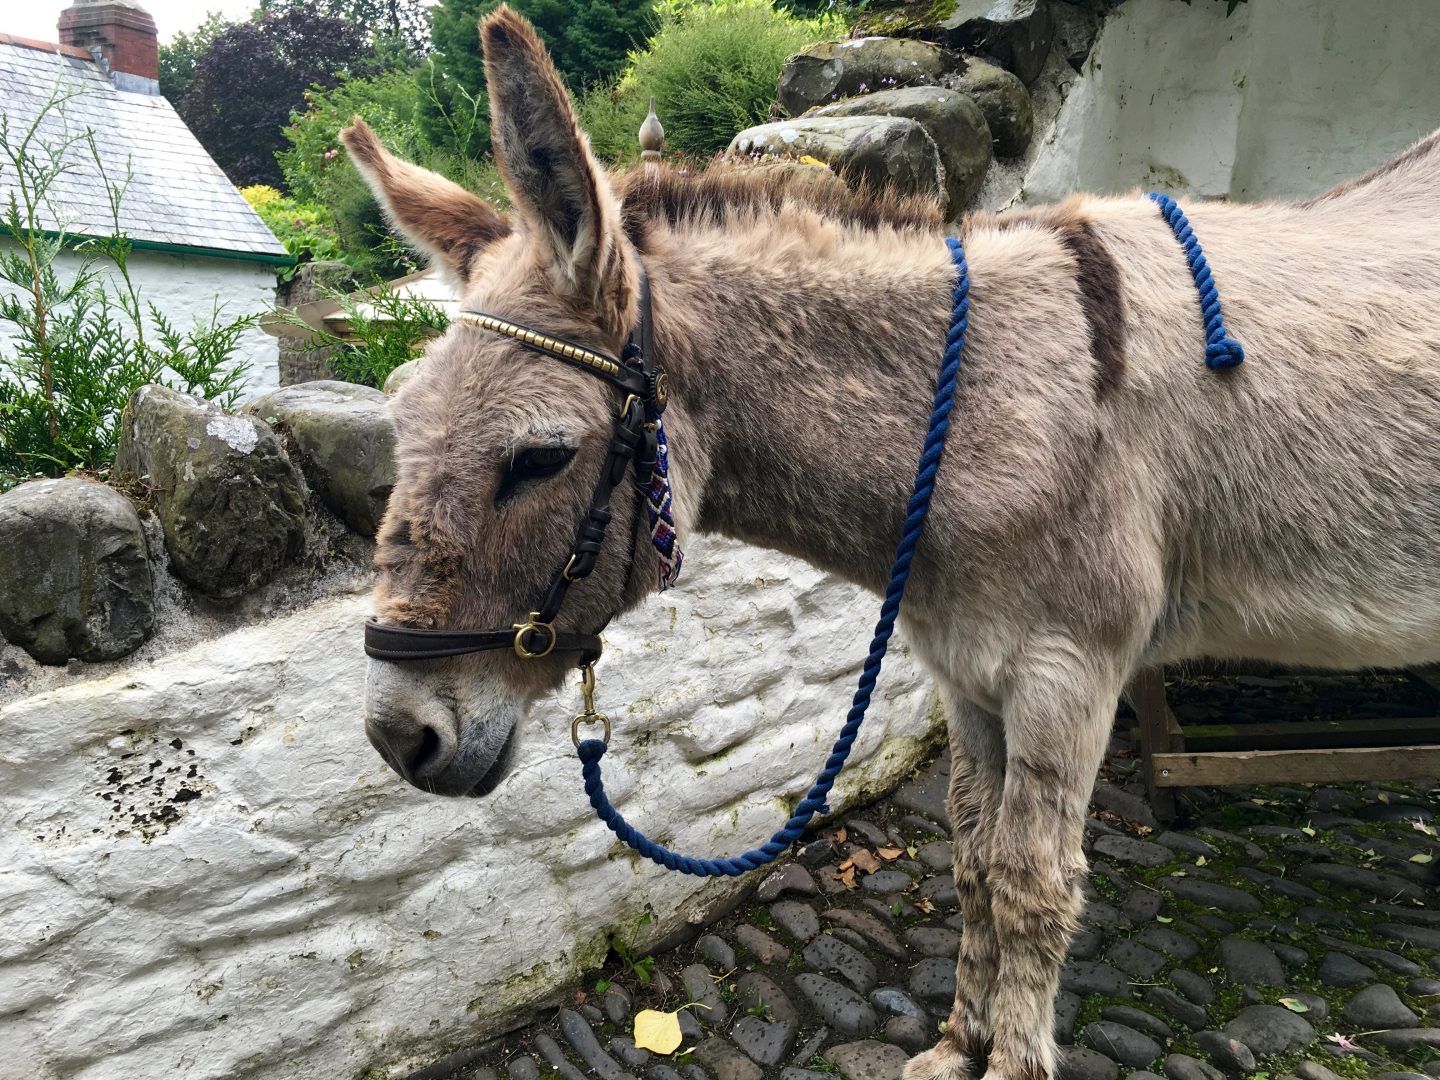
<point x="37" y="18"/>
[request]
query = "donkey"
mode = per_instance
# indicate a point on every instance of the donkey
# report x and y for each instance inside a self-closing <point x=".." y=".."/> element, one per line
<point x="1105" y="502"/>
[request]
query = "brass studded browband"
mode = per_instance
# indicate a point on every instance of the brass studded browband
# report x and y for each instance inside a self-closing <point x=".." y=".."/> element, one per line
<point x="607" y="367"/>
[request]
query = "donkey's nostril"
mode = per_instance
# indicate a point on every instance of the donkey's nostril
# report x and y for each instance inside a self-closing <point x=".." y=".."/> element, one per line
<point x="425" y="759"/>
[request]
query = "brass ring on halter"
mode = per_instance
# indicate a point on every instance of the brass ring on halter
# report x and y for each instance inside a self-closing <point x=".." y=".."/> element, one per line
<point x="532" y="625"/>
<point x="590" y="718"/>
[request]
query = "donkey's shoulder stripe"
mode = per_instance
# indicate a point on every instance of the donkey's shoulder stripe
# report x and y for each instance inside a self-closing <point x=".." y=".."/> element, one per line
<point x="1221" y="350"/>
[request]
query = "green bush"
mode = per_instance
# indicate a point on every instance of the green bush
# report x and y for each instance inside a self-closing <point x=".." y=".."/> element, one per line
<point x="318" y="171"/>
<point x="386" y="330"/>
<point x="79" y="346"/>
<point x="712" y="68"/>
<point x="306" y="229"/>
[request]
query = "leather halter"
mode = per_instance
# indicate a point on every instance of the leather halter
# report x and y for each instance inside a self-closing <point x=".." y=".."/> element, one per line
<point x="644" y="386"/>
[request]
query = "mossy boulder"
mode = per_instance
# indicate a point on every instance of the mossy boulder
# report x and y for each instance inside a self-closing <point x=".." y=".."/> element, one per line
<point x="345" y="440"/>
<point x="230" y="501"/>
<point x="874" y="151"/>
<point x="1003" y="99"/>
<point x="953" y="121"/>
<point x="1017" y="33"/>
<point x="831" y="70"/>
<point x="75" y="580"/>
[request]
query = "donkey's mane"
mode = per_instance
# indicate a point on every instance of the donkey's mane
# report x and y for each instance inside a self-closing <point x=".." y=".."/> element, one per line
<point x="1420" y="165"/>
<point x="723" y="192"/>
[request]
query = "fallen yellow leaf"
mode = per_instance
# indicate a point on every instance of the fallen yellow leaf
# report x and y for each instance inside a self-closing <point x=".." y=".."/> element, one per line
<point x="890" y="854"/>
<point x="806" y="159"/>
<point x="657" y="1031"/>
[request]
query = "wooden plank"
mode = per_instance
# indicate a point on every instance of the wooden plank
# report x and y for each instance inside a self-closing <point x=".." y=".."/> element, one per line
<point x="1333" y="766"/>
<point x="1158" y="733"/>
<point x="1313" y="734"/>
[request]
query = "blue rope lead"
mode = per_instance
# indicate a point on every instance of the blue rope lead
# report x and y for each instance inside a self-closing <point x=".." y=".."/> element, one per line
<point x="1221" y="350"/>
<point x="591" y="750"/>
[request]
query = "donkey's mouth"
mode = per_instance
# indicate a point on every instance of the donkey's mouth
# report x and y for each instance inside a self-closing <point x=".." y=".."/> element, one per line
<point x="498" y="770"/>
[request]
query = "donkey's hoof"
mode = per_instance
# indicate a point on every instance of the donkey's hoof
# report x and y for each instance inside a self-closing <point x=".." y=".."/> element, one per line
<point x="944" y="1062"/>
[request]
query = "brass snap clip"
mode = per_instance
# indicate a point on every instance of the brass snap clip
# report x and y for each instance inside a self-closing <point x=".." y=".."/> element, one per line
<point x="533" y="625"/>
<point x="589" y="716"/>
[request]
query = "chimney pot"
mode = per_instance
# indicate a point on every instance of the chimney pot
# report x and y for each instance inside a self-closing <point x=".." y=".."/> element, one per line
<point x="125" y="35"/>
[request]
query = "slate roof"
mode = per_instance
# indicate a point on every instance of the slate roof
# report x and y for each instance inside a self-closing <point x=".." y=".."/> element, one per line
<point x="177" y="195"/>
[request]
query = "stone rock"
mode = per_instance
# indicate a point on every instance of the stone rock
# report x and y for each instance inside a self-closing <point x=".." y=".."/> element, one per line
<point x="1081" y="1063"/>
<point x="624" y="1048"/>
<point x="551" y="1052"/>
<point x="1136" y="960"/>
<point x="878" y="151"/>
<point x="933" y="980"/>
<point x="1192" y="845"/>
<point x="1003" y="100"/>
<point x="345" y="441"/>
<point x="761" y="945"/>
<point x="766" y="1042"/>
<point x="1337" y="969"/>
<point x="1250" y="963"/>
<point x="617" y="1004"/>
<point x="522" y="1068"/>
<point x="231" y="503"/>
<point x="1067" y="1011"/>
<point x="303" y="855"/>
<point x="1193" y="987"/>
<point x="1212" y="894"/>
<point x="1121" y="1043"/>
<point x="790" y="878"/>
<point x="883" y="882"/>
<point x="74" y="574"/>
<point x="1176" y="1007"/>
<point x="1018" y="33"/>
<point x="843" y="1009"/>
<point x="1384" y="957"/>
<point x="1129" y="850"/>
<point x="934" y="941"/>
<point x="580" y="1035"/>
<point x="868" y="1060"/>
<point x="1358" y="879"/>
<point x="827" y="953"/>
<point x="400" y="376"/>
<point x="726" y="1062"/>
<point x="872" y="928"/>
<point x="1313" y="1070"/>
<point x="718" y="950"/>
<point x="830" y="70"/>
<point x="1171" y="942"/>
<point x="1424" y="937"/>
<point x="1138" y="1019"/>
<point x="1084" y="977"/>
<point x="1182" y="1067"/>
<point x="796" y="919"/>
<point x="956" y="123"/>
<point x="1271" y="1029"/>
<point x="913" y="1034"/>
<point x="700" y="988"/>
<point x="761" y="995"/>
<point x="1228" y="1053"/>
<point x="1403" y="1039"/>
<point x="1378" y="1006"/>
<point x="896" y="1001"/>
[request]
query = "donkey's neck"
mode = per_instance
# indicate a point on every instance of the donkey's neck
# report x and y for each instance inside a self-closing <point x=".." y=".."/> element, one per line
<point x="804" y="366"/>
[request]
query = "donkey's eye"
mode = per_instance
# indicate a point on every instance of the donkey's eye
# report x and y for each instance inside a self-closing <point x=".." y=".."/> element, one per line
<point x="537" y="463"/>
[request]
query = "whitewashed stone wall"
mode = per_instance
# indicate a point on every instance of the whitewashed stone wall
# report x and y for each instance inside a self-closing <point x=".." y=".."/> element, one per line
<point x="186" y="288"/>
<point x="1280" y="100"/>
<point x="205" y="870"/>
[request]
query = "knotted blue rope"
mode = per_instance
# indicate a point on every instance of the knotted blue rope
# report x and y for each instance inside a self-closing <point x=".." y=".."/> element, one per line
<point x="591" y="750"/>
<point x="1221" y="350"/>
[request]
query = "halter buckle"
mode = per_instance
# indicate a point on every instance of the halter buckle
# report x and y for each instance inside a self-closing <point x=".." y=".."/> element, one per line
<point x="589" y="716"/>
<point x="533" y="624"/>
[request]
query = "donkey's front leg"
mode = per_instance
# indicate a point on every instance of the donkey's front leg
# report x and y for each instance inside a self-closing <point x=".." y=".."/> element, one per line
<point x="1057" y="722"/>
<point x="977" y="775"/>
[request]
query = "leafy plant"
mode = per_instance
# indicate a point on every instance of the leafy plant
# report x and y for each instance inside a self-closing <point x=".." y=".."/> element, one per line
<point x="387" y="329"/>
<point x="79" y="346"/>
<point x="306" y="229"/>
<point x="712" y="68"/>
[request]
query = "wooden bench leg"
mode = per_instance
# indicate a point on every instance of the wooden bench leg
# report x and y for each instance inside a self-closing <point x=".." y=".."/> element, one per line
<point x="1159" y="733"/>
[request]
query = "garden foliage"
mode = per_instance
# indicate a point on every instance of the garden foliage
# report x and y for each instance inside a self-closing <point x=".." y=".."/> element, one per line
<point x="77" y="337"/>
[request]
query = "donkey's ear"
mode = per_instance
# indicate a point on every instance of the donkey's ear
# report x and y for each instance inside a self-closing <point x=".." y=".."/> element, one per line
<point x="558" y="188"/>
<point x="438" y="216"/>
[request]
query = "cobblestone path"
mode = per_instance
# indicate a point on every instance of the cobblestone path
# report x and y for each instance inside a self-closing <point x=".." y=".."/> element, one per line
<point x="1284" y="932"/>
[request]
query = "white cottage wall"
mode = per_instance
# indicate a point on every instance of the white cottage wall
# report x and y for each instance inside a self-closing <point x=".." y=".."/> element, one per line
<point x="1280" y="100"/>
<point x="189" y="287"/>
<point x="206" y="871"/>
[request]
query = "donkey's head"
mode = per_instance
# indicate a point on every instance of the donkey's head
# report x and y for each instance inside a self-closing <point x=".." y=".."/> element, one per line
<point x="499" y="447"/>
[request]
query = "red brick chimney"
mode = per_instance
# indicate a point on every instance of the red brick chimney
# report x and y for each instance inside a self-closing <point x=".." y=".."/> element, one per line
<point x="124" y="35"/>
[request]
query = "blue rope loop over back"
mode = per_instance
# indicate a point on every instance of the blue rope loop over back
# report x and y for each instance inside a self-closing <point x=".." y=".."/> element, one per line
<point x="1221" y="350"/>
<point x="591" y="750"/>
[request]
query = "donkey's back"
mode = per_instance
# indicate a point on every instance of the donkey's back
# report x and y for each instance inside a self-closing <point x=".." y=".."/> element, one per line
<point x="1300" y="492"/>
